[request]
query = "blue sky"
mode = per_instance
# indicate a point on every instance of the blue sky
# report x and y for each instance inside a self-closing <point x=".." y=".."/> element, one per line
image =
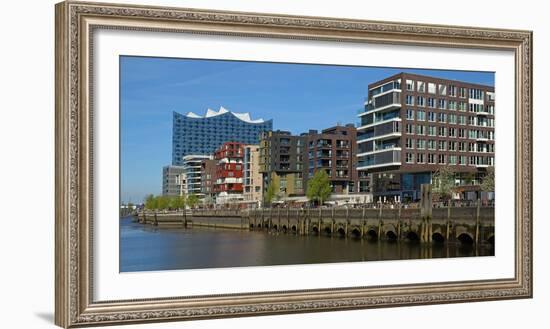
<point x="298" y="97"/>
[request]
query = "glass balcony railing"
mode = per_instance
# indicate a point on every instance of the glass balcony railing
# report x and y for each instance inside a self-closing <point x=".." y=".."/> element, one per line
<point x="386" y="100"/>
<point x="392" y="157"/>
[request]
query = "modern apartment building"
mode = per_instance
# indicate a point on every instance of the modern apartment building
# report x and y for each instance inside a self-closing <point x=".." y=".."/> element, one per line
<point x="192" y="167"/>
<point x="195" y="134"/>
<point x="229" y="172"/>
<point x="208" y="180"/>
<point x="413" y="124"/>
<point x="335" y="151"/>
<point x="173" y="180"/>
<point x="252" y="178"/>
<point x="282" y="162"/>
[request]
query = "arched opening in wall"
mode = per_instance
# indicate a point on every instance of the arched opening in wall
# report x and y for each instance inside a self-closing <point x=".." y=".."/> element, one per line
<point x="491" y="240"/>
<point x="438" y="238"/>
<point x="356" y="233"/>
<point x="251" y="225"/>
<point x="293" y="228"/>
<point x="341" y="232"/>
<point x="412" y="236"/>
<point x="285" y="229"/>
<point x="275" y="227"/>
<point x="315" y="230"/>
<point x="465" y="239"/>
<point x="327" y="231"/>
<point x="259" y="225"/>
<point x="391" y="236"/>
<point x="372" y="235"/>
<point x="266" y="225"/>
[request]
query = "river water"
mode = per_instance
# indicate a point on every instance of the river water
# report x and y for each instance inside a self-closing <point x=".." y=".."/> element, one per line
<point x="150" y="248"/>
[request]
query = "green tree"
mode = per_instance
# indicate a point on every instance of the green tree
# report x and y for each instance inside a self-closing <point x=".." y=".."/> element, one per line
<point x="151" y="202"/>
<point x="177" y="202"/>
<point x="469" y="178"/>
<point x="443" y="182"/>
<point x="488" y="183"/>
<point x="318" y="187"/>
<point x="271" y="192"/>
<point x="192" y="200"/>
<point x="163" y="202"/>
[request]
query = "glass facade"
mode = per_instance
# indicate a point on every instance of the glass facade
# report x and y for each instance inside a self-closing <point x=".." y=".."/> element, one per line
<point x="203" y="135"/>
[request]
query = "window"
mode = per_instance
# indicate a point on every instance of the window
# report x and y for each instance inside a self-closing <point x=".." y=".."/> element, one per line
<point x="441" y="145"/>
<point x="462" y="92"/>
<point x="442" y="89"/>
<point x="462" y="107"/>
<point x="420" y="158"/>
<point x="452" y="118"/>
<point x="410" y="85"/>
<point x="452" y="159"/>
<point x="442" y="104"/>
<point x="409" y="158"/>
<point x="461" y="147"/>
<point x="421" y="86"/>
<point x="452" y="90"/>
<point x="462" y="120"/>
<point x="420" y="115"/>
<point x="420" y="144"/>
<point x="420" y="101"/>
<point x="441" y="117"/>
<point x="452" y="146"/>
<point x="409" y="100"/>
<point x="475" y="93"/>
<point x="431" y="144"/>
<point x="490" y="96"/>
<point x="471" y="120"/>
<point x="431" y="158"/>
<point x="441" y="158"/>
<point x="431" y="116"/>
<point x="442" y="131"/>
<point x="409" y="129"/>
<point x="431" y="88"/>
<point x="431" y="131"/>
<point x="410" y="114"/>
<point x="452" y="105"/>
<point x="461" y="133"/>
<point x="420" y="130"/>
<point x="431" y="102"/>
<point x="462" y="160"/>
<point x="409" y="143"/>
<point x="452" y="132"/>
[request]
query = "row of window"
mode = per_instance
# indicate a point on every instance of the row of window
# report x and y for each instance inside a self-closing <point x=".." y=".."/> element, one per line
<point x="444" y="104"/>
<point x="450" y="90"/>
<point x="452" y="132"/>
<point x="420" y="115"/>
<point x="442" y="145"/>
<point x="430" y="158"/>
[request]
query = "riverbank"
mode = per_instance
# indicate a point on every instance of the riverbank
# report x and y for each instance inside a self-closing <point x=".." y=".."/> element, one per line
<point x="463" y="224"/>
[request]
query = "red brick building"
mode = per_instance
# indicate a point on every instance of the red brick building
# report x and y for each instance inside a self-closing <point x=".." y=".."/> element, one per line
<point x="229" y="172"/>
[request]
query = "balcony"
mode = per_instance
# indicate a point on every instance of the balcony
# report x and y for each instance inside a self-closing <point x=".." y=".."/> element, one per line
<point x="385" y="102"/>
<point x="378" y="159"/>
<point x="389" y="130"/>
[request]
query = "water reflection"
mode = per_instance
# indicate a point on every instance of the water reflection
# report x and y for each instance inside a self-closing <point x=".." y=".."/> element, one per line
<point x="146" y="248"/>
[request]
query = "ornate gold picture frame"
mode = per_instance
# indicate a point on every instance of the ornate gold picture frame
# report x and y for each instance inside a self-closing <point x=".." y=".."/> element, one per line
<point x="76" y="23"/>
